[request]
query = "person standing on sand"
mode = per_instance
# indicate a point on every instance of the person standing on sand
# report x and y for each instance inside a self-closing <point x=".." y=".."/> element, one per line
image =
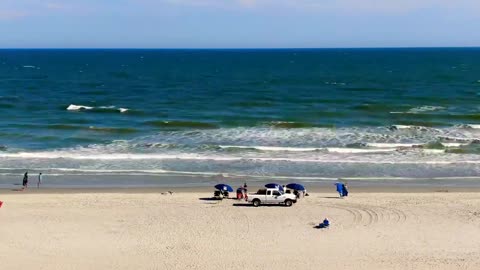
<point x="25" y="180"/>
<point x="40" y="177"/>
<point x="345" y="190"/>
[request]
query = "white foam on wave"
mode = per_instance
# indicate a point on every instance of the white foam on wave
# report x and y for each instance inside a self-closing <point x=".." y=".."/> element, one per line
<point x="411" y="127"/>
<point x="73" y="107"/>
<point x="114" y="156"/>
<point x="454" y="144"/>
<point x="473" y="126"/>
<point x="133" y="172"/>
<point x="394" y="145"/>
<point x="379" y="148"/>
<point x="272" y="148"/>
<point x="426" y="109"/>
<point x="433" y="151"/>
<point x="358" y="150"/>
<point x="305" y="139"/>
<point x="460" y="139"/>
<point x="421" y="109"/>
<point x="75" y="171"/>
<point x="403" y="126"/>
<point x="320" y="159"/>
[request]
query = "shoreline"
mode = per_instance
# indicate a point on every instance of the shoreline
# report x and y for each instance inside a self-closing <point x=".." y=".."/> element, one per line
<point x="196" y="184"/>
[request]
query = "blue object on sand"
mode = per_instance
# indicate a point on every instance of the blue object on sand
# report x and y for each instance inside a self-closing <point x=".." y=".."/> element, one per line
<point x="274" y="185"/>
<point x="324" y="224"/>
<point x="224" y="187"/>
<point x="339" y="186"/>
<point x="296" y="186"/>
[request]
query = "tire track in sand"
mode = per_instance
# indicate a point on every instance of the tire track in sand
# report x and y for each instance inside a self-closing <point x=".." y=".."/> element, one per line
<point x="366" y="215"/>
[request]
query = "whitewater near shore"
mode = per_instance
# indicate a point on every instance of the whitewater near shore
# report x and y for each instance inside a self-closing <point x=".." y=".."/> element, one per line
<point x="115" y="229"/>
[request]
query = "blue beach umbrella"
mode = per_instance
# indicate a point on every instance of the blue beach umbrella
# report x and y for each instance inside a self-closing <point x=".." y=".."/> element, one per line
<point x="296" y="186"/>
<point x="224" y="187"/>
<point x="274" y="185"/>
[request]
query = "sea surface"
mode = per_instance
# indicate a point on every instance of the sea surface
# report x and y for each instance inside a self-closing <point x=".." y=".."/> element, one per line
<point x="287" y="114"/>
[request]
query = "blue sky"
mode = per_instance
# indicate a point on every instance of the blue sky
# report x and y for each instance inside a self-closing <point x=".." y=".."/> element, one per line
<point x="238" y="23"/>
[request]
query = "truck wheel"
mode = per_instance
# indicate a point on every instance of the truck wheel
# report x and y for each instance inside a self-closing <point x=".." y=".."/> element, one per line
<point x="256" y="203"/>
<point x="288" y="203"/>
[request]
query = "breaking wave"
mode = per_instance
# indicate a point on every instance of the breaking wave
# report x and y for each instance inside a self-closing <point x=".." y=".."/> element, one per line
<point x="73" y="107"/>
<point x="405" y="151"/>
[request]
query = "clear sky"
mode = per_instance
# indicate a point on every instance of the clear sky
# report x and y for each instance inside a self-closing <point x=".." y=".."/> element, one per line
<point x="238" y="23"/>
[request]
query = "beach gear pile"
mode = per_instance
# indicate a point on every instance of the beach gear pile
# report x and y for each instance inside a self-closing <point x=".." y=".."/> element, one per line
<point x="223" y="191"/>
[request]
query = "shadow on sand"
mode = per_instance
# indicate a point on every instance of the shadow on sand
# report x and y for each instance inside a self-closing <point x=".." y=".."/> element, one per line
<point x="215" y="199"/>
<point x="262" y="205"/>
<point x="320" y="226"/>
<point x="209" y="199"/>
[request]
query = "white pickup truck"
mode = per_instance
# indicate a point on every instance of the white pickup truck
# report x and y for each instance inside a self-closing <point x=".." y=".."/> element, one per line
<point x="271" y="196"/>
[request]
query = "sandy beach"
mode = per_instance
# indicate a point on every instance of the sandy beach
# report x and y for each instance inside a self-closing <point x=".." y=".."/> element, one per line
<point x="139" y="230"/>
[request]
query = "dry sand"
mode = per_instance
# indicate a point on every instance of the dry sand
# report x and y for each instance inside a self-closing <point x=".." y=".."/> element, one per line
<point x="153" y="231"/>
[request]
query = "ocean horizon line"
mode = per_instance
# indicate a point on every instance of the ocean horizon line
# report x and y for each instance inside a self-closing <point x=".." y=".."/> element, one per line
<point x="247" y="48"/>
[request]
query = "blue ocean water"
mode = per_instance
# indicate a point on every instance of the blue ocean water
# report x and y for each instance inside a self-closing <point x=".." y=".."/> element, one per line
<point x="308" y="114"/>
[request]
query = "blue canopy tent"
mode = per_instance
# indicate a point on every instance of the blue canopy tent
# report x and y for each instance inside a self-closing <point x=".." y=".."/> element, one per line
<point x="274" y="185"/>
<point x="224" y="187"/>
<point x="296" y="186"/>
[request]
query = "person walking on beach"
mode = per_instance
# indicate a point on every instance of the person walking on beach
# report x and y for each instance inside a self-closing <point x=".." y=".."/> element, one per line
<point x="25" y="180"/>
<point x="40" y="177"/>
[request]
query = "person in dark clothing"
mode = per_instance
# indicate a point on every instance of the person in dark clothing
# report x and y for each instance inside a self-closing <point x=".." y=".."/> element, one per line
<point x="344" y="190"/>
<point x="25" y="180"/>
<point x="40" y="178"/>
